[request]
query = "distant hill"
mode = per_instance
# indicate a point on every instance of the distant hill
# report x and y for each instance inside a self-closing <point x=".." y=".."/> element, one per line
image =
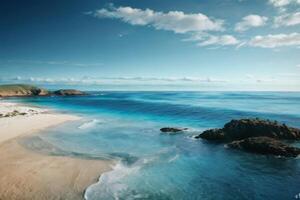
<point x="20" y="90"/>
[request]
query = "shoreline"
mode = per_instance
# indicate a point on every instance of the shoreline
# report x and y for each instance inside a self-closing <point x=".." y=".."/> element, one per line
<point x="18" y="119"/>
<point x="26" y="174"/>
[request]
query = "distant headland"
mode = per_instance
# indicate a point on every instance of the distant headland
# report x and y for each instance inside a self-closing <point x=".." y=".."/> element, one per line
<point x="23" y="90"/>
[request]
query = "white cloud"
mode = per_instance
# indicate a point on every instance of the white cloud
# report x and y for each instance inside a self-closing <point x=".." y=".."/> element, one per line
<point x="176" y="21"/>
<point x="250" y="21"/>
<point x="58" y="63"/>
<point x="287" y="19"/>
<point x="196" y="25"/>
<point x="114" y="80"/>
<point x="281" y="3"/>
<point x="222" y="40"/>
<point x="273" y="41"/>
<point x="204" y="39"/>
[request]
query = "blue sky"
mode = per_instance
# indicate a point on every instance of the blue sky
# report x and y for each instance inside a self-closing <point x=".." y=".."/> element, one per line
<point x="152" y="44"/>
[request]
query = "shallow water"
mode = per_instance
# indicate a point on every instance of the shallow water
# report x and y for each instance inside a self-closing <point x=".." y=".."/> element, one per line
<point x="124" y="126"/>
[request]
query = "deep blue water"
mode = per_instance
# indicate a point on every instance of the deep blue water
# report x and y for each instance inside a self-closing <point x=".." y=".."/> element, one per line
<point x="124" y="126"/>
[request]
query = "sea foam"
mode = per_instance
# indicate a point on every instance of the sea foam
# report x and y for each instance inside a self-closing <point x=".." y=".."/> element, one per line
<point x="109" y="185"/>
<point x="89" y="124"/>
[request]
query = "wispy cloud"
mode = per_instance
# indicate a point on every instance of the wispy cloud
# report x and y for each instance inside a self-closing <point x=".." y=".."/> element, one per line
<point x="198" y="26"/>
<point x="274" y="41"/>
<point x="176" y="21"/>
<point x="207" y="31"/>
<point x="222" y="40"/>
<point x="204" y="39"/>
<point x="289" y="19"/>
<point x="282" y="3"/>
<point x="58" y="63"/>
<point x="86" y="80"/>
<point x="250" y="21"/>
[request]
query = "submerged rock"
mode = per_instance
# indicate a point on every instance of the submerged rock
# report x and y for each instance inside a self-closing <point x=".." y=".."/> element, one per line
<point x="265" y="145"/>
<point x="245" y="128"/>
<point x="172" y="130"/>
<point x="69" y="92"/>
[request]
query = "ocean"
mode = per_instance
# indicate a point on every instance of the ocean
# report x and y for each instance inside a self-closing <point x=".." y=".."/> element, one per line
<point x="124" y="127"/>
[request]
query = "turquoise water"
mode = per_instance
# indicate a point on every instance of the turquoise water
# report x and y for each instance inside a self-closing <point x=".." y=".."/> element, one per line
<point x="124" y="126"/>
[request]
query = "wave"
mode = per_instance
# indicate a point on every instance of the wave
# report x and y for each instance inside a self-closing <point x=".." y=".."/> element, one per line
<point x="193" y="114"/>
<point x="113" y="184"/>
<point x="89" y="124"/>
<point x="109" y="185"/>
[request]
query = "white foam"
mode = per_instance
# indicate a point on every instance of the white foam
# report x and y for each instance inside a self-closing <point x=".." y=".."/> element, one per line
<point x="173" y="158"/>
<point x="109" y="185"/>
<point x="192" y="137"/>
<point x="8" y="107"/>
<point x="89" y="124"/>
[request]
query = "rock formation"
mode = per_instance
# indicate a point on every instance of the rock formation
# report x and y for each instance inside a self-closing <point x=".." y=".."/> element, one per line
<point x="265" y="145"/>
<point x="69" y="92"/>
<point x="244" y="128"/>
<point x="172" y="130"/>
<point x="256" y="135"/>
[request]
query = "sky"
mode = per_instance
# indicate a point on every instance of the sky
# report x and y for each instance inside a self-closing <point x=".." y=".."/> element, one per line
<point x="152" y="44"/>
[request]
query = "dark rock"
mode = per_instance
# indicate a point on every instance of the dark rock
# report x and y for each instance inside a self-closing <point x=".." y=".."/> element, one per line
<point x="70" y="92"/>
<point x="245" y="128"/>
<point x="212" y="134"/>
<point x="265" y="145"/>
<point x="172" y="130"/>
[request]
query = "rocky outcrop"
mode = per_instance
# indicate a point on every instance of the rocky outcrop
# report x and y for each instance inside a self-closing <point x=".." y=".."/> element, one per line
<point x="12" y="114"/>
<point x="256" y="135"/>
<point x="265" y="145"/>
<point x="212" y="134"/>
<point x="172" y="130"/>
<point x="244" y="128"/>
<point x="69" y="92"/>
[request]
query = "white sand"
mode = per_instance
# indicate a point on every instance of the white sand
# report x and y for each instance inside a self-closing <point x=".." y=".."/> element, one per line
<point x="28" y="120"/>
<point x="28" y="175"/>
<point x="7" y="107"/>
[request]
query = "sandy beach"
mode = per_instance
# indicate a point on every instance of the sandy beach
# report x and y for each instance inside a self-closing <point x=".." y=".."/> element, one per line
<point x="25" y="174"/>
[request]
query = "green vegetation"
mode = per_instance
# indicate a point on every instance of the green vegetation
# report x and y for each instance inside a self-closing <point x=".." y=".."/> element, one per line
<point x="21" y="90"/>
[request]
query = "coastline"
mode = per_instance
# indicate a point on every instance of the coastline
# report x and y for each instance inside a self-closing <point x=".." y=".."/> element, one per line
<point x="25" y="174"/>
